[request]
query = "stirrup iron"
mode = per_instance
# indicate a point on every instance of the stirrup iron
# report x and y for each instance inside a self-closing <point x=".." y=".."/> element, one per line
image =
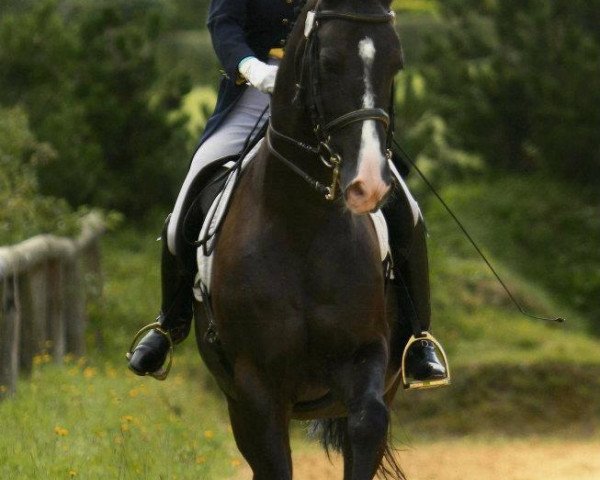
<point x="162" y="373"/>
<point x="413" y="384"/>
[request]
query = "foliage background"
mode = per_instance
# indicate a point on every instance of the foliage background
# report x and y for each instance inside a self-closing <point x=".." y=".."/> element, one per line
<point x="101" y="104"/>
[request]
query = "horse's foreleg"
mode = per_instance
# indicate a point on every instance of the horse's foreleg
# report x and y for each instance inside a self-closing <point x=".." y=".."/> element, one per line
<point x="260" y="426"/>
<point x="361" y="384"/>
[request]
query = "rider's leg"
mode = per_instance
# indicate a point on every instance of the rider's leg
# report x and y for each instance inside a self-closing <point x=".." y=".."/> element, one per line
<point x="178" y="258"/>
<point x="411" y="279"/>
<point x="228" y="140"/>
<point x="175" y="314"/>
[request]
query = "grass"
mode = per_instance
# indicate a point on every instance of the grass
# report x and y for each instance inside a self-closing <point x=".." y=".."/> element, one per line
<point x="542" y="246"/>
<point x="543" y="235"/>
<point x="513" y="375"/>
<point x="93" y="419"/>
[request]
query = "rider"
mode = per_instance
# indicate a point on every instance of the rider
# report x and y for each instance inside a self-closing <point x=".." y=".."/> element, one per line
<point x="248" y="37"/>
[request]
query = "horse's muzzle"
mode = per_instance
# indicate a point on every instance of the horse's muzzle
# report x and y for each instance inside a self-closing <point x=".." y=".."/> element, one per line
<point x="362" y="197"/>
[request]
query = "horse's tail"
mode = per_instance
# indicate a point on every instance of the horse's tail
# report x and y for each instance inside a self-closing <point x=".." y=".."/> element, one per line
<point x="333" y="434"/>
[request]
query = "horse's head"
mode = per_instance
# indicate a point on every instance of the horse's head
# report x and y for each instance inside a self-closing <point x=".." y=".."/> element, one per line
<point x="344" y="62"/>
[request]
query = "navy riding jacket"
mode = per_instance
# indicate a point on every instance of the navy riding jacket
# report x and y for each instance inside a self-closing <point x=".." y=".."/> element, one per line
<point x="240" y="29"/>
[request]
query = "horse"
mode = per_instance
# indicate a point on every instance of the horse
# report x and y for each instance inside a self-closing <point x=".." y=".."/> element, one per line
<point x="301" y="325"/>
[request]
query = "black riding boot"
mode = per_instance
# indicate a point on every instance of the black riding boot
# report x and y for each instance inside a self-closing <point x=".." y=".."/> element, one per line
<point x="175" y="316"/>
<point x="411" y="284"/>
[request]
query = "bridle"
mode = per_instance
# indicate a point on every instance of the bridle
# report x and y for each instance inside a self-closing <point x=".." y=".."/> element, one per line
<point x="309" y="78"/>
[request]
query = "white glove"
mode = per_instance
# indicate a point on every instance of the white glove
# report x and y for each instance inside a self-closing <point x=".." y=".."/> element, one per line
<point x="258" y="74"/>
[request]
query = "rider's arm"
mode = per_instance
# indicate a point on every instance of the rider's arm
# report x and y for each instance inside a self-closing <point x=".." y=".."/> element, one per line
<point x="226" y="22"/>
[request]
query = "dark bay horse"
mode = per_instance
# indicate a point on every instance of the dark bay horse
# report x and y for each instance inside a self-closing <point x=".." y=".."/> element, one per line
<point x="305" y="328"/>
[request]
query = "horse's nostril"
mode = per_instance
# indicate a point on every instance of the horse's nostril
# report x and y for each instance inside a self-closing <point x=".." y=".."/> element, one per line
<point x="356" y="190"/>
<point x="361" y="197"/>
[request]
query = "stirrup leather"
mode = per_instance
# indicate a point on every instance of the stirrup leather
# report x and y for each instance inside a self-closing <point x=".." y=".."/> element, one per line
<point x="163" y="372"/>
<point x="409" y="384"/>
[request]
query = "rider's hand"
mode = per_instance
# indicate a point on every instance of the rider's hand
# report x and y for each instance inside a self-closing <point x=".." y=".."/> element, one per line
<point x="258" y="74"/>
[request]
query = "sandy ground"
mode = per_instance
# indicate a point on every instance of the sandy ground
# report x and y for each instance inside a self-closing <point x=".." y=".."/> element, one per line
<point x="469" y="460"/>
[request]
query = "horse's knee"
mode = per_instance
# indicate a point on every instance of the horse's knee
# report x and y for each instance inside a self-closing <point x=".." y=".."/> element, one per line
<point x="369" y="422"/>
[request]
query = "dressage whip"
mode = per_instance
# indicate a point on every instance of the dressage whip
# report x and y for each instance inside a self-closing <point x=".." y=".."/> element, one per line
<point x="407" y="158"/>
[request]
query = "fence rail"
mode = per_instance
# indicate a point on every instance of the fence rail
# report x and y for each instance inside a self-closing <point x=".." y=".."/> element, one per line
<point x="45" y="283"/>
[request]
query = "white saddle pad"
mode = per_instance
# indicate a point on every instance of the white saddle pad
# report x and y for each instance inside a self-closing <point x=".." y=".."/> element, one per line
<point x="215" y="216"/>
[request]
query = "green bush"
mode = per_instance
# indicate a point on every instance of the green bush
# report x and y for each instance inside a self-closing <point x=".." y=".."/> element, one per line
<point x="535" y="227"/>
<point x="88" y="80"/>
<point x="24" y="211"/>
<point x="518" y="82"/>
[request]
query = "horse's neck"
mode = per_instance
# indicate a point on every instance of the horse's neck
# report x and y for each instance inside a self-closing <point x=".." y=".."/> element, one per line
<point x="289" y="215"/>
<point x="283" y="203"/>
<point x="285" y="194"/>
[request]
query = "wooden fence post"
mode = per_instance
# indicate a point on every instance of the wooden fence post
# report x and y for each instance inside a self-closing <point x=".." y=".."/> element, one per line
<point x="34" y="315"/>
<point x="9" y="336"/>
<point x="44" y="284"/>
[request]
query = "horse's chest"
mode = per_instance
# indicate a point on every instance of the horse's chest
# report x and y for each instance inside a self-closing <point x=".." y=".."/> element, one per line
<point x="308" y="260"/>
<point x="314" y="275"/>
<point x="312" y="295"/>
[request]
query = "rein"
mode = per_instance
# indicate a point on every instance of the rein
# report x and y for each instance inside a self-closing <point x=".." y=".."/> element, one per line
<point x="324" y="151"/>
<point x="318" y="186"/>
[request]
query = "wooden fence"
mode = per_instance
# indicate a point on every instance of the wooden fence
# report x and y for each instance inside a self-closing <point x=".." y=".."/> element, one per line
<point x="45" y="283"/>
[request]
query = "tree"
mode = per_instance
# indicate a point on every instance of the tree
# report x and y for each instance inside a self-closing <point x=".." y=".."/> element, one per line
<point x="24" y="211"/>
<point x="88" y="81"/>
<point x="518" y="82"/>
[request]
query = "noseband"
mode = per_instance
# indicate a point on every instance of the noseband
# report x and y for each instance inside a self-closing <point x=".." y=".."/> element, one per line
<point x="323" y="130"/>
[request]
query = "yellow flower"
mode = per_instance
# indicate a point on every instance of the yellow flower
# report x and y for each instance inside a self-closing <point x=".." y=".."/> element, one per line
<point x="200" y="459"/>
<point x="60" y="431"/>
<point x="139" y="390"/>
<point x="89" y="372"/>
<point x="72" y="473"/>
<point x="3" y="388"/>
<point x="209" y="434"/>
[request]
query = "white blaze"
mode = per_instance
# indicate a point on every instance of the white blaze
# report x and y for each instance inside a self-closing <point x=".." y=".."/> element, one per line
<point x="370" y="159"/>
